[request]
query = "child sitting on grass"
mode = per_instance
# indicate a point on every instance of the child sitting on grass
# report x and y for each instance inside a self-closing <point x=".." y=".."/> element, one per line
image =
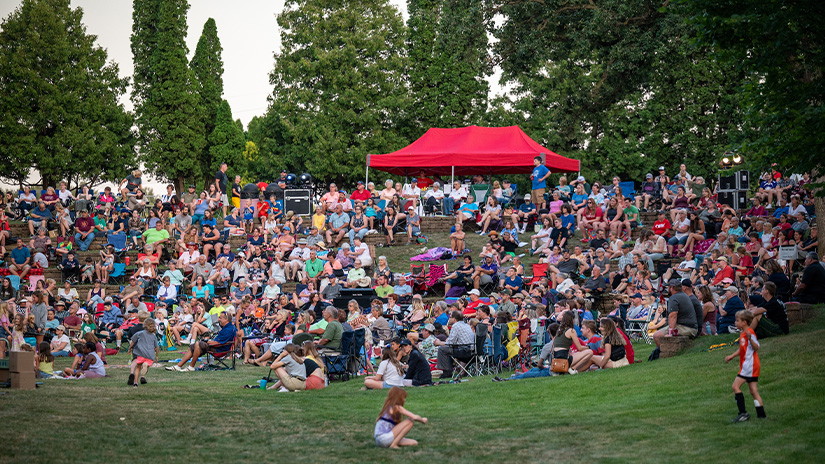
<point x="44" y="361"/>
<point x="748" y="367"/>
<point x="144" y="345"/>
<point x="390" y="430"/>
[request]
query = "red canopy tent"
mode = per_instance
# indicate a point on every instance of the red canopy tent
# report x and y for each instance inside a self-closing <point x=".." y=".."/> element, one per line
<point x="470" y="150"/>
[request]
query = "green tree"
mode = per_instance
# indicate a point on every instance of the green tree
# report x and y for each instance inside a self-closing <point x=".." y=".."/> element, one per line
<point x="169" y="113"/>
<point x="59" y="110"/>
<point x="226" y="142"/>
<point x="339" y="86"/>
<point x="208" y="68"/>
<point x="448" y="62"/>
<point x="780" y="47"/>
<point x="617" y="84"/>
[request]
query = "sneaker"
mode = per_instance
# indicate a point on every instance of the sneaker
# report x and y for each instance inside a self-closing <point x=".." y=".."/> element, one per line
<point x="175" y="368"/>
<point x="131" y="379"/>
<point x="143" y="380"/>
<point x="482" y="233"/>
<point x="283" y="390"/>
<point x="497" y="379"/>
<point x="188" y="369"/>
<point x="742" y="417"/>
<point x="134" y="385"/>
<point x="572" y="371"/>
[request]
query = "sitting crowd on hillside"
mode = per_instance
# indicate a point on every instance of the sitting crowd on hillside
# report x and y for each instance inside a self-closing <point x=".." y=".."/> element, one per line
<point x="202" y="257"/>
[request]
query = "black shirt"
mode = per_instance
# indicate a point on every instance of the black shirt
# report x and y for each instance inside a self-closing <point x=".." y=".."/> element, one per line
<point x="598" y="243"/>
<point x="616" y="352"/>
<point x="775" y="310"/>
<point x="220" y="176"/>
<point x="418" y="369"/>
<point x="132" y="182"/>
<point x="236" y="190"/>
<point x="568" y="266"/>
<point x="557" y="234"/>
<point x="814" y="279"/>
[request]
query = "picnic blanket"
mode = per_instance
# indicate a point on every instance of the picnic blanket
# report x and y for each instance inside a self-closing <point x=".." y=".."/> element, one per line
<point x="433" y="254"/>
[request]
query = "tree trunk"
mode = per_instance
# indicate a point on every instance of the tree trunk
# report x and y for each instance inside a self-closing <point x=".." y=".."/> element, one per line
<point x="819" y="207"/>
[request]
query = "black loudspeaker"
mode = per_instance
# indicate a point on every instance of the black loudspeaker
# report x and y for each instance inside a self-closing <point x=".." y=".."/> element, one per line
<point x="736" y="200"/>
<point x="728" y="183"/>
<point x="743" y="180"/>
<point x="299" y="201"/>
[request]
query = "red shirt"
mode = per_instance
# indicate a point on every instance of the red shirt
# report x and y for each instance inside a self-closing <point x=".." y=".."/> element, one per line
<point x="424" y="182"/>
<point x="360" y="195"/>
<point x="725" y="273"/>
<point x="471" y="307"/>
<point x="659" y="227"/>
<point x="84" y="224"/>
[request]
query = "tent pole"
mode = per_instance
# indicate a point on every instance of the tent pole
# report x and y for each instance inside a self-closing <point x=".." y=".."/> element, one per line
<point x="367" y="182"/>
<point x="452" y="175"/>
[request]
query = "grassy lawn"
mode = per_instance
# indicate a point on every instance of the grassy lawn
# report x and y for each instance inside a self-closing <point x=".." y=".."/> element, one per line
<point x="671" y="410"/>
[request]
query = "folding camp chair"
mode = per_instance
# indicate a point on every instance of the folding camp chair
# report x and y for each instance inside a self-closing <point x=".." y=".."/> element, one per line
<point x="499" y="350"/>
<point x="419" y="278"/>
<point x="118" y="273"/>
<point x="357" y="354"/>
<point x="484" y="358"/>
<point x="435" y="272"/>
<point x="33" y="279"/>
<point x="15" y="281"/>
<point x="539" y="271"/>
<point x="118" y="241"/>
<point x="479" y="192"/>
<point x="337" y="364"/>
<point x="218" y="357"/>
<point x="637" y="328"/>
<point x="464" y="357"/>
<point x="628" y="189"/>
<point x="539" y="339"/>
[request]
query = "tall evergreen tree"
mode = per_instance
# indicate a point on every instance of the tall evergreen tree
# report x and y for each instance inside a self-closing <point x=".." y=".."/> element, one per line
<point x="226" y="142"/>
<point x="59" y="110"/>
<point x="447" y="44"/>
<point x="339" y="86"/>
<point x="167" y="104"/>
<point x="208" y="68"/>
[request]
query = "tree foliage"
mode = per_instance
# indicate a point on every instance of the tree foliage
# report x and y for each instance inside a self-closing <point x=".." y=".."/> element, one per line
<point x="617" y="84"/>
<point x="339" y="88"/>
<point x="448" y="61"/>
<point x="207" y="65"/>
<point x="226" y="142"/>
<point x="59" y="110"/>
<point x="168" y="108"/>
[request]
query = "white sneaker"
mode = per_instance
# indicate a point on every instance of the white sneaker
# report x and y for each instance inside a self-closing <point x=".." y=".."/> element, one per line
<point x="283" y="390"/>
<point x="176" y="368"/>
<point x="188" y="369"/>
<point x="572" y="371"/>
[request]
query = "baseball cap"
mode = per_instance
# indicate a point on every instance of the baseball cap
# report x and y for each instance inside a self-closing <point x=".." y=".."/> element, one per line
<point x="406" y="342"/>
<point x="59" y="303"/>
<point x="661" y="168"/>
<point x="527" y="196"/>
<point x="429" y="327"/>
<point x="687" y="283"/>
<point x="530" y="306"/>
<point x="674" y="283"/>
<point x="518" y="295"/>
<point x="636" y="295"/>
<point x="191" y="186"/>
<point x="411" y="208"/>
<point x="81" y="312"/>
<point x="360" y="182"/>
<point x="731" y="288"/>
<point x="60" y="327"/>
<point x="723" y="258"/>
<point x="580" y="179"/>
<point x="474" y="292"/>
<point x="727" y="281"/>
<point x="649" y="176"/>
<point x="507" y="292"/>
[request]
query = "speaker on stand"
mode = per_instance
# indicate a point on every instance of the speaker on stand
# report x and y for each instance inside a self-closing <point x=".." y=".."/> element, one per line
<point x="733" y="189"/>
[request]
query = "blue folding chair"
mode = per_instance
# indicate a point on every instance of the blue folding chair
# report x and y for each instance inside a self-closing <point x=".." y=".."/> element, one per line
<point x="628" y="189"/>
<point x="337" y="365"/>
<point x="15" y="281"/>
<point x="118" y="273"/>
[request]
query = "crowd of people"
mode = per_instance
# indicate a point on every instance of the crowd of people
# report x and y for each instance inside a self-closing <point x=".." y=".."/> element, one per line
<point x="211" y="267"/>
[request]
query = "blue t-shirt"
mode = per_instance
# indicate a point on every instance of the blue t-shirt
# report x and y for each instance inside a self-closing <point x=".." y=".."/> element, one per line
<point x="20" y="255"/>
<point x="45" y="214"/>
<point x="579" y="198"/>
<point x="539" y="172"/>
<point x="527" y="207"/>
<point x="568" y="220"/>
<point x="226" y="335"/>
<point x="442" y="319"/>
<point x="514" y="282"/>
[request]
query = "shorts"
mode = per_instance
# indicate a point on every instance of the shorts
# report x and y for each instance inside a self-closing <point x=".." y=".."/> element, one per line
<point x="485" y="278"/>
<point x="512" y="254"/>
<point x="384" y="440"/>
<point x="621" y="362"/>
<point x="748" y="379"/>
<point x="314" y="382"/>
<point x="142" y="360"/>
<point x="537" y="195"/>
<point x="236" y="202"/>
<point x="225" y="199"/>
<point x="294" y="383"/>
<point x="415" y="230"/>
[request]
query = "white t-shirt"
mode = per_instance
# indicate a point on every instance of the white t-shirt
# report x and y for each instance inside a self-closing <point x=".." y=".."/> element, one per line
<point x="679" y="224"/>
<point x="272" y="291"/>
<point x="63" y="338"/>
<point x="411" y="190"/>
<point x="437" y="194"/>
<point x="458" y="194"/>
<point x="363" y="252"/>
<point x="799" y="209"/>
<point x="41" y="260"/>
<point x="277" y="272"/>
<point x="390" y="374"/>
<point x="71" y="295"/>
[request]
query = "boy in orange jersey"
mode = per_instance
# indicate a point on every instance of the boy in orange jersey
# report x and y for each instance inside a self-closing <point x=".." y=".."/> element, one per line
<point x="748" y="367"/>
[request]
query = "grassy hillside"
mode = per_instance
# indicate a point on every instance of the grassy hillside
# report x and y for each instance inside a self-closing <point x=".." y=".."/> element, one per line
<point x="671" y="410"/>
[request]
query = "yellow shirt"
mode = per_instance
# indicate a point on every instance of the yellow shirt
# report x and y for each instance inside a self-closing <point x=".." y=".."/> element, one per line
<point x="319" y="221"/>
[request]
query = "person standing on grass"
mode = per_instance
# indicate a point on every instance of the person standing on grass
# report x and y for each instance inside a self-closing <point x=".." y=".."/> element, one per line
<point x="748" y="367"/>
<point x="390" y="430"/>
<point x="144" y="345"/>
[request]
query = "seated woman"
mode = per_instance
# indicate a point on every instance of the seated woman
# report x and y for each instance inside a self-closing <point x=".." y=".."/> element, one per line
<point x="541" y="240"/>
<point x="389" y="374"/>
<point x="290" y="369"/>
<point x="202" y="323"/>
<point x="613" y="343"/>
<point x="565" y="339"/>
<point x="316" y="378"/>
<point x="181" y="323"/>
<point x="491" y="218"/>
<point x="461" y="276"/>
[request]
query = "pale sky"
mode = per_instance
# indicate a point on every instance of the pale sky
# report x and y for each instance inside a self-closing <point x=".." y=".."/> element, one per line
<point x="247" y="29"/>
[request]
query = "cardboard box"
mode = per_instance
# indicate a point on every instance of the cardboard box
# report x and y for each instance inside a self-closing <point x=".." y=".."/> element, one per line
<point x="4" y="375"/>
<point x="21" y="361"/>
<point x="23" y="380"/>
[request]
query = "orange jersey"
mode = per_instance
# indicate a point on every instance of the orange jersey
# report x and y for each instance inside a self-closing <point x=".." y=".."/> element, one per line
<point x="748" y="357"/>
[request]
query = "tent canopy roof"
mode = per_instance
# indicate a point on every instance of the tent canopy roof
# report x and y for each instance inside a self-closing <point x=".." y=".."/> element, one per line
<point x="471" y="150"/>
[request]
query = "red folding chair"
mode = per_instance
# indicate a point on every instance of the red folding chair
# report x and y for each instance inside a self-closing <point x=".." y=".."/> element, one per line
<point x="539" y="271"/>
<point x="218" y="357"/>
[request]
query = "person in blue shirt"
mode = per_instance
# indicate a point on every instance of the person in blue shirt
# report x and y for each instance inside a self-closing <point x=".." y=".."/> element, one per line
<point x="783" y="208"/>
<point x="526" y="212"/>
<point x="224" y="337"/>
<point x="539" y="178"/>
<point x="20" y="259"/>
<point x="40" y="217"/>
<point x="468" y="210"/>
<point x="486" y="273"/>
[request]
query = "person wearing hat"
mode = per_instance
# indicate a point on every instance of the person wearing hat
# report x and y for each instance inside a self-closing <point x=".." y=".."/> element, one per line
<point x="360" y="195"/>
<point x="636" y="310"/>
<point x="61" y="345"/>
<point x="130" y="290"/>
<point x="650" y="190"/>
<point x="474" y="296"/>
<point x="730" y="304"/>
<point x="485" y="273"/>
<point x="687" y="287"/>
<point x="296" y="259"/>
<point x="681" y="317"/>
<point x="723" y="271"/>
<point x="506" y="303"/>
<point x="413" y="224"/>
<point x="427" y="345"/>
<point x="525" y="214"/>
<point x="811" y="288"/>
<point x="418" y="368"/>
<point x="411" y="193"/>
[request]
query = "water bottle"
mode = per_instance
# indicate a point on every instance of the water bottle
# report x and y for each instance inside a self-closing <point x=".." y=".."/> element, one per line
<point x="263" y="383"/>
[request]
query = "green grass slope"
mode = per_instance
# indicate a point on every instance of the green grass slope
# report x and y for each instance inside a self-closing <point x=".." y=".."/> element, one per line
<point x="671" y="410"/>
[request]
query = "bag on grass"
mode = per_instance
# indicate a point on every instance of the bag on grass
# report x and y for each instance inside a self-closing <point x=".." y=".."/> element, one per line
<point x="560" y="365"/>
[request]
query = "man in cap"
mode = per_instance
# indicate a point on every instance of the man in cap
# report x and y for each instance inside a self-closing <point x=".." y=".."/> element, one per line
<point x="525" y="214"/>
<point x="413" y="224"/>
<point x="636" y="310"/>
<point x="428" y="348"/>
<point x="811" y="288"/>
<point x="485" y="273"/>
<point x="723" y="271"/>
<point x="418" y="369"/>
<point x="681" y="318"/>
<point x="297" y="257"/>
<point x="314" y="238"/>
<point x="475" y="300"/>
<point x="411" y="192"/>
<point x="189" y="196"/>
<point x="650" y="190"/>
<point x="730" y="304"/>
